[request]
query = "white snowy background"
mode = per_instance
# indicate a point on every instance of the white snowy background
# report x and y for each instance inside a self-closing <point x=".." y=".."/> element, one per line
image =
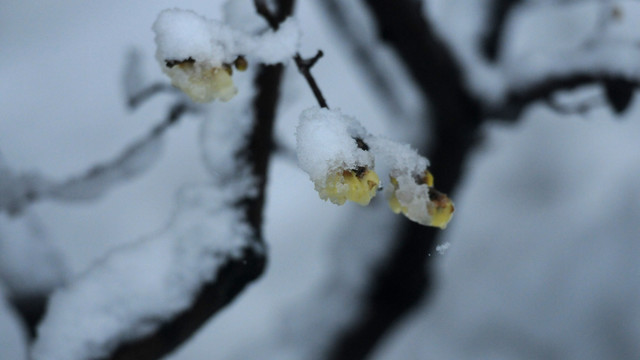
<point x="544" y="246"/>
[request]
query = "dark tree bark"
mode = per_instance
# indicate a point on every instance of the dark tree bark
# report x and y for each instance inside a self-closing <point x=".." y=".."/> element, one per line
<point x="401" y="281"/>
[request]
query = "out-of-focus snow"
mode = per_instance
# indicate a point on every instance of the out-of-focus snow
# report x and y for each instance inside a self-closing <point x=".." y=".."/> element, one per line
<point x="13" y="344"/>
<point x="134" y="289"/>
<point x="543" y="257"/>
<point x="30" y="265"/>
<point x="183" y="34"/>
<point x="462" y="23"/>
<point x="309" y="323"/>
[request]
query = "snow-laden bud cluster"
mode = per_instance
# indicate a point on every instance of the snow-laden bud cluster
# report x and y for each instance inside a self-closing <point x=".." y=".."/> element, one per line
<point x="198" y="54"/>
<point x="331" y="149"/>
<point x="339" y="156"/>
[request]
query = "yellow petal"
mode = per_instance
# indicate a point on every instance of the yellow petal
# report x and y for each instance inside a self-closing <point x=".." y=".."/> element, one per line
<point x="441" y="212"/>
<point x="203" y="84"/>
<point x="347" y="185"/>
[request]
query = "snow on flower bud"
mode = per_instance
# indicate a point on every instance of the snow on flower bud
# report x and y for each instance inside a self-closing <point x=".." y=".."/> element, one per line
<point x="338" y="154"/>
<point x="198" y="53"/>
<point x="331" y="148"/>
<point x="419" y="201"/>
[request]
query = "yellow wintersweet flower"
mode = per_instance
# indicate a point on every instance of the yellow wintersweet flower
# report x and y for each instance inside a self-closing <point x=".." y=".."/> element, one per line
<point x="438" y="210"/>
<point x="394" y="203"/>
<point x="359" y="186"/>
<point x="201" y="83"/>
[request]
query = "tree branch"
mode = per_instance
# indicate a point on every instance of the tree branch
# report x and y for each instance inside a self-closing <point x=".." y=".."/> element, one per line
<point x="401" y="281"/>
<point x="230" y="281"/>
<point x="498" y="19"/>
<point x="304" y="66"/>
<point x="145" y="94"/>
<point x="95" y="181"/>
<point x="236" y="274"/>
<point x="518" y="100"/>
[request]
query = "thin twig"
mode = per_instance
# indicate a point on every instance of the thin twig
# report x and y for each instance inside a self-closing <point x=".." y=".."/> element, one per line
<point x="137" y="99"/>
<point x="62" y="190"/>
<point x="304" y="65"/>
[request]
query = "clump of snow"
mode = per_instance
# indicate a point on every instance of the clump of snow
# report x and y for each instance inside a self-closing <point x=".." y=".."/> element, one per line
<point x="326" y="143"/>
<point x="183" y="34"/>
<point x="197" y="53"/>
<point x="134" y="289"/>
<point x="614" y="59"/>
<point x="401" y="157"/>
<point x="442" y="248"/>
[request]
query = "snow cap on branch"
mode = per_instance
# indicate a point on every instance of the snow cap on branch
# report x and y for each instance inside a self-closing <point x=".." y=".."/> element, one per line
<point x="198" y="53"/>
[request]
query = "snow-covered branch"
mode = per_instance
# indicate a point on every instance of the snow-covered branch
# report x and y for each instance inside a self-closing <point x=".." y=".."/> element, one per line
<point x="509" y="82"/>
<point x="147" y="298"/>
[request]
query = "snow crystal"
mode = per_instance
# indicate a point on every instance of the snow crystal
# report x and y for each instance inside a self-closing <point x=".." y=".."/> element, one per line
<point x="134" y="289"/>
<point x="442" y="248"/>
<point x="134" y="161"/>
<point x="242" y="15"/>
<point x="326" y="143"/>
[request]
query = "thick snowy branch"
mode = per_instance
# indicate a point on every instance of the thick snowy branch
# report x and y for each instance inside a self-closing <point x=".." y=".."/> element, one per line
<point x="146" y="299"/>
<point x="517" y="101"/>
<point x="537" y="77"/>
